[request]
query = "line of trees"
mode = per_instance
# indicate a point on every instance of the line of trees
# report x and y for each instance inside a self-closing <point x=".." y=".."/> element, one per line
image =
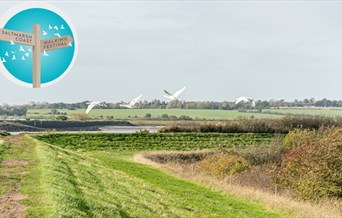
<point x="225" y="105"/>
<point x="21" y="110"/>
<point x="7" y="110"/>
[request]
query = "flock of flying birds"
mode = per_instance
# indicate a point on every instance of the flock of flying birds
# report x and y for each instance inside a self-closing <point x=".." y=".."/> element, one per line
<point x="12" y="55"/>
<point x="132" y="104"/>
<point x="26" y="53"/>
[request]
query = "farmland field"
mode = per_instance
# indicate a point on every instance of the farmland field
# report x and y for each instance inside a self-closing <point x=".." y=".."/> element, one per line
<point x="321" y="112"/>
<point x="140" y="113"/>
<point x="158" y="141"/>
<point x="200" y="114"/>
<point x="93" y="175"/>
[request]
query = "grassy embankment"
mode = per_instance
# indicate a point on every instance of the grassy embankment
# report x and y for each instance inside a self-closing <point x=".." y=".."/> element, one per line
<point x="94" y="175"/>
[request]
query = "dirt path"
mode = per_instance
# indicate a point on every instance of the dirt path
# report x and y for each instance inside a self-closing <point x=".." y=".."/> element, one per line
<point x="11" y="171"/>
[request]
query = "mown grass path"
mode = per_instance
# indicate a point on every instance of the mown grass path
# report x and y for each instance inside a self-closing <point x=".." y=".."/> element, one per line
<point x="66" y="182"/>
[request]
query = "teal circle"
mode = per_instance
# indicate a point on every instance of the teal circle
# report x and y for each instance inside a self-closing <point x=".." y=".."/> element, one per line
<point x="52" y="66"/>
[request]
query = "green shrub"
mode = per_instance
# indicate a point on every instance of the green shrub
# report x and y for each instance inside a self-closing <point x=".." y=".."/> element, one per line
<point x="221" y="164"/>
<point x="62" y="117"/>
<point x="298" y="138"/>
<point x="313" y="170"/>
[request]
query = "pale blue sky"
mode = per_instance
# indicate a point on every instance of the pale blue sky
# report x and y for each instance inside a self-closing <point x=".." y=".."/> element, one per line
<point x="220" y="50"/>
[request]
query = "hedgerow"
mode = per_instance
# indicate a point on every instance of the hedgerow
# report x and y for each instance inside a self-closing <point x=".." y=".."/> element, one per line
<point x="313" y="169"/>
<point x="250" y="125"/>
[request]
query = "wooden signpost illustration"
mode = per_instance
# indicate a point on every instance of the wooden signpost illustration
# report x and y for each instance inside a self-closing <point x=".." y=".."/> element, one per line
<point x="38" y="46"/>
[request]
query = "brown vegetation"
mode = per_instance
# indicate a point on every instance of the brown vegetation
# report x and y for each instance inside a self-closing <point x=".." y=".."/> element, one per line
<point x="250" y="125"/>
<point x="304" y="166"/>
<point x="312" y="168"/>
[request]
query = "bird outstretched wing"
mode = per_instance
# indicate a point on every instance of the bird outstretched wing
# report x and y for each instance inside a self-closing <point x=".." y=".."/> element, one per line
<point x="134" y="101"/>
<point x="179" y="92"/>
<point x="91" y="106"/>
<point x="168" y="93"/>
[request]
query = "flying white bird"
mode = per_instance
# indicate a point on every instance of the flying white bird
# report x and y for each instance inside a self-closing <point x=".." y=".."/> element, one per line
<point x="57" y="34"/>
<point x="70" y="44"/>
<point x="29" y="50"/>
<point x="173" y="96"/>
<point x="45" y="54"/>
<point x="27" y="54"/>
<point x="56" y="28"/>
<point x="245" y="100"/>
<point x="23" y="58"/>
<point x="44" y="33"/>
<point x="12" y="43"/>
<point x="92" y="105"/>
<point x="12" y="52"/>
<point x="6" y="54"/>
<point x="132" y="103"/>
<point x="62" y="27"/>
<point x="21" y="49"/>
<point x="3" y="60"/>
<point x="14" y="58"/>
<point x="50" y="27"/>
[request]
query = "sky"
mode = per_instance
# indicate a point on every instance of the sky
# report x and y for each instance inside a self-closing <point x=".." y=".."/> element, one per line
<point x="219" y="50"/>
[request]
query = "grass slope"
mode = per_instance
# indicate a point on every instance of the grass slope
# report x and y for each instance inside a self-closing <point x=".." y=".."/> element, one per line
<point x="69" y="182"/>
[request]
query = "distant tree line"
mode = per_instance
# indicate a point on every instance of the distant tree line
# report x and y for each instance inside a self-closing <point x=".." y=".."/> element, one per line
<point x="6" y="110"/>
<point x="158" y="104"/>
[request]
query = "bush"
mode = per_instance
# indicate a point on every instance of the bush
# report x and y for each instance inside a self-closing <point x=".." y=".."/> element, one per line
<point x="80" y="117"/>
<point x="313" y="170"/>
<point x="148" y="116"/>
<point x="63" y="118"/>
<point x="299" y="137"/>
<point x="164" y="117"/>
<point x="263" y="155"/>
<point x="222" y="164"/>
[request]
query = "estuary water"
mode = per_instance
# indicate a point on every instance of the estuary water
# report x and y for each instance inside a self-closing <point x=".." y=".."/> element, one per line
<point x="110" y="129"/>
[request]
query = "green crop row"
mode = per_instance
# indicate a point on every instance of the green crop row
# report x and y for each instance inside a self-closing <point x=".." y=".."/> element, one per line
<point x="156" y="141"/>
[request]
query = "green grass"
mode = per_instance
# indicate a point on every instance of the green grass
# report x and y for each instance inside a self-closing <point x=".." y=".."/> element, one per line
<point x="321" y="112"/>
<point x="140" y="113"/>
<point x="9" y="175"/>
<point x="69" y="182"/>
<point x="4" y="146"/>
<point x="201" y="114"/>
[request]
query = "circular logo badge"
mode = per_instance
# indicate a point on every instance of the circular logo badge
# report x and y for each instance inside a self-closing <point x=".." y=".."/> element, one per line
<point x="38" y="45"/>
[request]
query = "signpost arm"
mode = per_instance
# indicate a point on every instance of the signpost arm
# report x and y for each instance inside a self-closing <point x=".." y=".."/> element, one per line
<point x="36" y="57"/>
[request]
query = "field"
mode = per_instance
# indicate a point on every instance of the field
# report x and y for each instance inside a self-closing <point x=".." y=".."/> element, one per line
<point x="321" y="112"/>
<point x="194" y="114"/>
<point x="140" y="113"/>
<point x="93" y="175"/>
<point x="165" y="141"/>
